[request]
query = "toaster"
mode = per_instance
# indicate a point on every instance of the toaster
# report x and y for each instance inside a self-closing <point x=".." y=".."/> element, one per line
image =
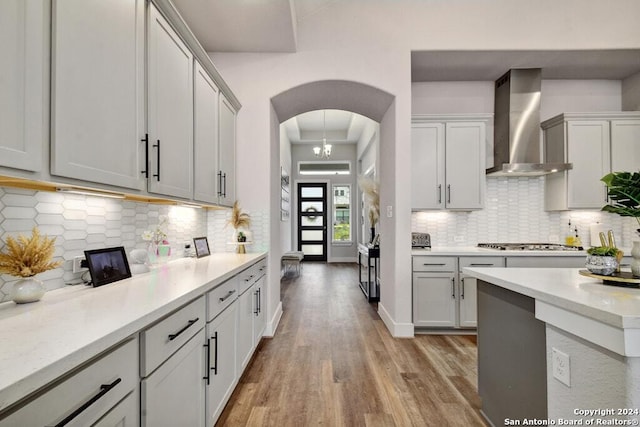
<point x="420" y="240"/>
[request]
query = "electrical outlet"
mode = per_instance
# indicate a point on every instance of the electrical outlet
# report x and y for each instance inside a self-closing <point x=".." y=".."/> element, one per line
<point x="77" y="268"/>
<point x="389" y="211"/>
<point x="561" y="366"/>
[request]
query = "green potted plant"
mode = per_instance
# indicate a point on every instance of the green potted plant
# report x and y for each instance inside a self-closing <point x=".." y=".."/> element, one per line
<point x="602" y="260"/>
<point x="623" y="189"/>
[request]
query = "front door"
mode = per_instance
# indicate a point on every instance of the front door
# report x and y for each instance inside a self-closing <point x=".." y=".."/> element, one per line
<point x="312" y="221"/>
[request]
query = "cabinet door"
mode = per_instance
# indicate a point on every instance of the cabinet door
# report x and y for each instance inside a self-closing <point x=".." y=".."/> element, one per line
<point x="245" y="342"/>
<point x="468" y="302"/>
<point x="97" y="116"/>
<point x="124" y="414"/>
<point x="174" y="394"/>
<point x="625" y="145"/>
<point x="434" y="300"/>
<point x="170" y="110"/>
<point x="221" y="335"/>
<point x="464" y="165"/>
<point x="260" y="316"/>
<point x="588" y="148"/>
<point x="205" y="137"/>
<point x="227" y="141"/>
<point x="24" y="26"/>
<point x="427" y="166"/>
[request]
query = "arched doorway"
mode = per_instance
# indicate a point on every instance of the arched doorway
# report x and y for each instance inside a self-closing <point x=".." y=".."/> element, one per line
<point x="360" y="98"/>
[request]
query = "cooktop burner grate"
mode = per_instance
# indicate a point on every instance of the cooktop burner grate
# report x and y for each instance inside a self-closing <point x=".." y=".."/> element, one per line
<point x="529" y="247"/>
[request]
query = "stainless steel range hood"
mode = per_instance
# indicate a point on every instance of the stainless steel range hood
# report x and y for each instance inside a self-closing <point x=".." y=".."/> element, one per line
<point x="517" y="144"/>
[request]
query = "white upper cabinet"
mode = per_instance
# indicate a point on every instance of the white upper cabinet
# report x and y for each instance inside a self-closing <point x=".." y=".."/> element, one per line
<point x="170" y="110"/>
<point x="427" y="165"/>
<point x="448" y="163"/>
<point x="205" y="137"/>
<point x="98" y="75"/>
<point x="595" y="144"/>
<point x="227" y="169"/>
<point x="24" y="45"/>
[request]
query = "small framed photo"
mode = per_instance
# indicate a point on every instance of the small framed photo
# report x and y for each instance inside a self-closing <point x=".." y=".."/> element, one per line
<point x="202" y="246"/>
<point x="107" y="265"/>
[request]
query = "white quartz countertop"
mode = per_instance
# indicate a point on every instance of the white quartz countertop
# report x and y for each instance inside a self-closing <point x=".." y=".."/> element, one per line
<point x="43" y="340"/>
<point x="476" y="251"/>
<point x="608" y="316"/>
<point x="565" y="288"/>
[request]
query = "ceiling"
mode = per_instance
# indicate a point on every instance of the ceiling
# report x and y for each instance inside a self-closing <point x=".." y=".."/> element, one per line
<point x="339" y="127"/>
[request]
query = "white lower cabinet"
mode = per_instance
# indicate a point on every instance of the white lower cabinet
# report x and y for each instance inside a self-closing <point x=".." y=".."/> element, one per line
<point x="434" y="299"/>
<point x="443" y="296"/>
<point x="87" y="395"/>
<point x="174" y="395"/>
<point x="260" y="320"/>
<point x="245" y="328"/>
<point x="221" y="367"/>
<point x="125" y="413"/>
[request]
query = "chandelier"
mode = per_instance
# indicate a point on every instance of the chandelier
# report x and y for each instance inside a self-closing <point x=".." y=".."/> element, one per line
<point x="323" y="152"/>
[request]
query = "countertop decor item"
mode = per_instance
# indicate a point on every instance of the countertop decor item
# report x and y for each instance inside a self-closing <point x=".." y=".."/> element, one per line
<point x="25" y="257"/>
<point x="603" y="260"/>
<point x="240" y="221"/>
<point x="623" y="189"/>
<point x="157" y="237"/>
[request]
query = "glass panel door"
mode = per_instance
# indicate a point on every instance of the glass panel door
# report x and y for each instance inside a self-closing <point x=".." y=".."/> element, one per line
<point x="312" y="221"/>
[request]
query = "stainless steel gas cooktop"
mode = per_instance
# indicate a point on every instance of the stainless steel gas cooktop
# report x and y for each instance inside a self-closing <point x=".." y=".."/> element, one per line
<point x="529" y="247"/>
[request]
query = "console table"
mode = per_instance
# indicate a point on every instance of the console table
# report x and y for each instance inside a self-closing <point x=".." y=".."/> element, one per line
<point x="368" y="268"/>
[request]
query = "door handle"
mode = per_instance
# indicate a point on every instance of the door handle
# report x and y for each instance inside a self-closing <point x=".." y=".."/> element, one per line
<point x="439" y="193"/>
<point x="191" y="322"/>
<point x="462" y="283"/>
<point x="104" y="389"/>
<point x="449" y="193"/>
<point x="146" y="155"/>
<point x="453" y="288"/>
<point x="207" y="369"/>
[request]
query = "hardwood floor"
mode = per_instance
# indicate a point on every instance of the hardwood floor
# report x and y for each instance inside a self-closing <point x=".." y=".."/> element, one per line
<point x="332" y="362"/>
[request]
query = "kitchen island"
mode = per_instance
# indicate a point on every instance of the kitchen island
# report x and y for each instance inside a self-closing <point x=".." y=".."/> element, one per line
<point x="555" y="345"/>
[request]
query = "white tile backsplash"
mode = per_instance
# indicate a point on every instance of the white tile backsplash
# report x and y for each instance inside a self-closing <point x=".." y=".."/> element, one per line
<point x="86" y="222"/>
<point x="514" y="212"/>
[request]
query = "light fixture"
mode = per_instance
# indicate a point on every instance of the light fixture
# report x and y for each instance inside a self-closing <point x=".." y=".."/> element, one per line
<point x="88" y="192"/>
<point x="189" y="205"/>
<point x="323" y="152"/>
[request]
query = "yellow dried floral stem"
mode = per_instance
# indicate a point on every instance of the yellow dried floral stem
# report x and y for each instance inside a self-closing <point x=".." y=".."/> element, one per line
<point x="27" y="257"/>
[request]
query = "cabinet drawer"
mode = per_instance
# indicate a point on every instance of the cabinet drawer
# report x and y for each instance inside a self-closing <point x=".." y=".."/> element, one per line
<point x="86" y="395"/>
<point x="485" y="261"/>
<point x="221" y="297"/>
<point x="546" y="261"/>
<point x="261" y="268"/>
<point x="434" y="263"/>
<point x="248" y="277"/>
<point x="161" y="340"/>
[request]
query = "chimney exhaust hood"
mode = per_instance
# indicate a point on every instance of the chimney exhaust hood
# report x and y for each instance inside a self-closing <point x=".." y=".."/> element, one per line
<point x="517" y="149"/>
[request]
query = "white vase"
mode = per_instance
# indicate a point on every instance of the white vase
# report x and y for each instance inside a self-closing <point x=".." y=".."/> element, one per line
<point x="26" y="290"/>
<point x="635" y="262"/>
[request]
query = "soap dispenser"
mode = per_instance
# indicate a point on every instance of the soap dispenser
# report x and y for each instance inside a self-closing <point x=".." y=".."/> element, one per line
<point x="569" y="239"/>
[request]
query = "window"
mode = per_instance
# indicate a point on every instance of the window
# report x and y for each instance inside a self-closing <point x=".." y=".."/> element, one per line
<point x="341" y="213"/>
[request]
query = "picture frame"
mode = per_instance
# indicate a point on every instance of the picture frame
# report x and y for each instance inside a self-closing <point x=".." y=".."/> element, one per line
<point x="202" y="246"/>
<point x="107" y="265"/>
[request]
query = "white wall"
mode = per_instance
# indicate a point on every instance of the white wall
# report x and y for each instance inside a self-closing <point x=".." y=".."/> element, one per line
<point x="631" y="93"/>
<point x="370" y="42"/>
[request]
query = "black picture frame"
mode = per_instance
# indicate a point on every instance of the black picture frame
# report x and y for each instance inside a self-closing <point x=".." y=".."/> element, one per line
<point x="107" y="265"/>
<point x="202" y="246"/>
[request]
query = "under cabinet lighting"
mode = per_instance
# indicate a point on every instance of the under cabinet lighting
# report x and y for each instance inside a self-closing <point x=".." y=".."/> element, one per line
<point x="87" y="192"/>
<point x="189" y="205"/>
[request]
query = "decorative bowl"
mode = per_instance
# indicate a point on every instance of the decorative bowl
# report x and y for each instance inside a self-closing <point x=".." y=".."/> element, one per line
<point x="602" y="265"/>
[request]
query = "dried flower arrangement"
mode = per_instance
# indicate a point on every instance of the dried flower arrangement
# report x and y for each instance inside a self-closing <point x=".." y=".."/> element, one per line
<point x="239" y="219"/>
<point x="28" y="256"/>
<point x="371" y="190"/>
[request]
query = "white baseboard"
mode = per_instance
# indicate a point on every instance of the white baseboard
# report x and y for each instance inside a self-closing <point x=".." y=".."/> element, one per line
<point x="272" y="325"/>
<point x="397" y="330"/>
<point x="343" y="259"/>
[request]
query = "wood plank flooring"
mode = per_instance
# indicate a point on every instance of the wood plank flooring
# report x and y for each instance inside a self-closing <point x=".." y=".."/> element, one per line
<point x="332" y="362"/>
